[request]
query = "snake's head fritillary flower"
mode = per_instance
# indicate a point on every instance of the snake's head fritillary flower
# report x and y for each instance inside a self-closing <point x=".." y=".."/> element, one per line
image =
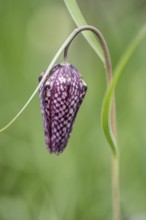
<point x="61" y="96"/>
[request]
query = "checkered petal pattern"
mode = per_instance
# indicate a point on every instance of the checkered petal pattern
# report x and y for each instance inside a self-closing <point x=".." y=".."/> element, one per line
<point x="60" y="96"/>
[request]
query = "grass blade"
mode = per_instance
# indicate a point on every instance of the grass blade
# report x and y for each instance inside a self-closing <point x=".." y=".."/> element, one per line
<point x="106" y="108"/>
<point x="110" y="91"/>
<point x="43" y="79"/>
<point x="79" y="20"/>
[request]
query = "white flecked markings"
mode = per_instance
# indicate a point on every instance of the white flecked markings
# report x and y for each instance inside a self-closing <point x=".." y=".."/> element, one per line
<point x="60" y="96"/>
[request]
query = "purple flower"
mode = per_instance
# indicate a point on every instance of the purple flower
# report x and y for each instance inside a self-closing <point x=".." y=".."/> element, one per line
<point x="61" y="96"/>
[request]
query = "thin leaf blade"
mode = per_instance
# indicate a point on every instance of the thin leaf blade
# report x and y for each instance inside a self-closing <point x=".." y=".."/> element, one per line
<point x="106" y="108"/>
<point x="79" y="20"/>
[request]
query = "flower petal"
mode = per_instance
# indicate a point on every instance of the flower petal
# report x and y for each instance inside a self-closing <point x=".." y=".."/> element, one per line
<point x="61" y="96"/>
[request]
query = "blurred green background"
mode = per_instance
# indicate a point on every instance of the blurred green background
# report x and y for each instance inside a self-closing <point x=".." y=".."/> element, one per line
<point x="76" y="185"/>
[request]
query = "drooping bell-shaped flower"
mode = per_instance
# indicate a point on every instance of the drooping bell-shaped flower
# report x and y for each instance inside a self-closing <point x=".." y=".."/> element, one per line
<point x="61" y="96"/>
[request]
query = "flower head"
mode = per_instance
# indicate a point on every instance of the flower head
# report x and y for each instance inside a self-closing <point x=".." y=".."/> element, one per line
<point x="61" y="96"/>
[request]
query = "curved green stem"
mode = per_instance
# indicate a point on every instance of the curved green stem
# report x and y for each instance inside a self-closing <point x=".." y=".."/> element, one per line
<point x="43" y="79"/>
<point x="108" y="71"/>
<point x="112" y="118"/>
<point x="117" y="74"/>
<point x="80" y="21"/>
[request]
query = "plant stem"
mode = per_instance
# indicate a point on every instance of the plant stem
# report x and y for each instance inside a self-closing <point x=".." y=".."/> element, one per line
<point x="108" y="71"/>
<point x="41" y="82"/>
<point x="115" y="168"/>
<point x="115" y="188"/>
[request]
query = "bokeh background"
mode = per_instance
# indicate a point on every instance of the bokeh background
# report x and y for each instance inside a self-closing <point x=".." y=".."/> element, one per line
<point x="76" y="185"/>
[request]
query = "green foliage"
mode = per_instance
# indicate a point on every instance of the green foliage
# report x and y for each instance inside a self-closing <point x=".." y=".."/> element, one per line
<point x="79" y="20"/>
<point x="35" y="185"/>
<point x="106" y="123"/>
<point x="110" y="91"/>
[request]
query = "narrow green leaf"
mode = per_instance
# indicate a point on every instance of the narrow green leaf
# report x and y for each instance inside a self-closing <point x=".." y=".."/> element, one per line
<point x="79" y="20"/>
<point x="106" y="108"/>
<point x="43" y="79"/>
<point x="110" y="91"/>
